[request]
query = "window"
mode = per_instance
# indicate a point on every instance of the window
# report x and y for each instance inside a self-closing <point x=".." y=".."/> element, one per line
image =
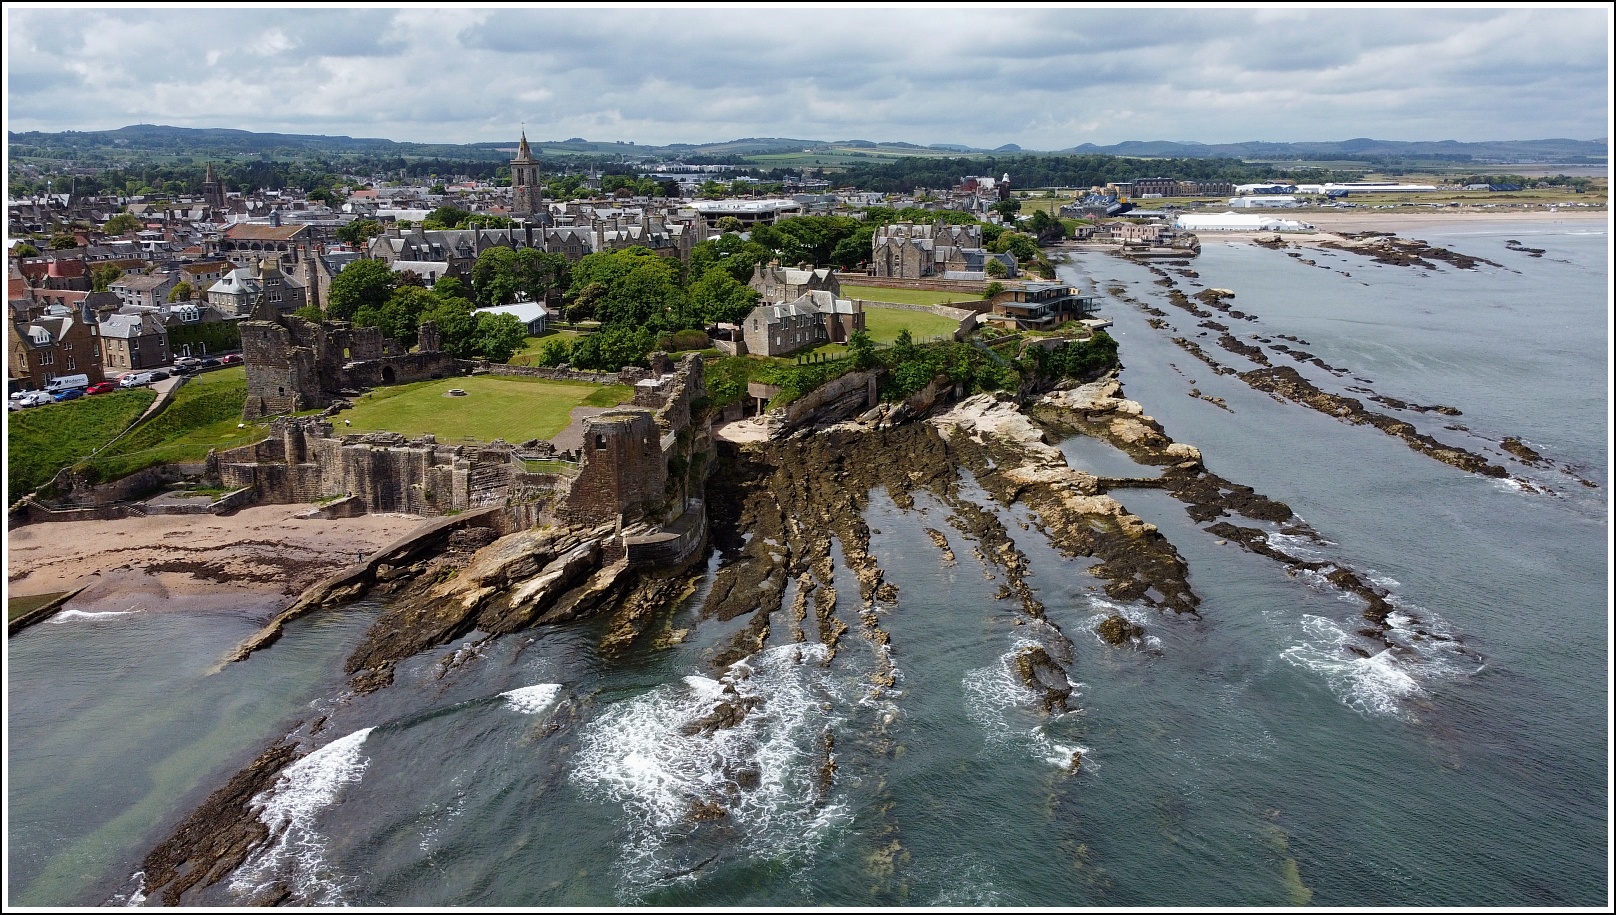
<point x="70" y="364"/>
<point x="600" y="441"/>
<point x="47" y="357"/>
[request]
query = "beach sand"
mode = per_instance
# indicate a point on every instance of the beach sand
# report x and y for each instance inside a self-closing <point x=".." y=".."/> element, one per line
<point x="258" y="556"/>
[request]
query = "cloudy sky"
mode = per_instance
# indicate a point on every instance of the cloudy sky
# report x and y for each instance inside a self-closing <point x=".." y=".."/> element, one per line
<point x="1043" y="78"/>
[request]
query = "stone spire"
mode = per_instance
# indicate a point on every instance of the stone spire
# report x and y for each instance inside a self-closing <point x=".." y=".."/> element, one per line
<point x="212" y="190"/>
<point x="526" y="197"/>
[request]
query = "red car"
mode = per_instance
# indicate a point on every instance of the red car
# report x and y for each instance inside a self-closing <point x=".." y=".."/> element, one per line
<point x="105" y="387"/>
<point x="231" y="359"/>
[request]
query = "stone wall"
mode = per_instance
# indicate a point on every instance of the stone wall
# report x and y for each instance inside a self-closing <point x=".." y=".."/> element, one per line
<point x="557" y="374"/>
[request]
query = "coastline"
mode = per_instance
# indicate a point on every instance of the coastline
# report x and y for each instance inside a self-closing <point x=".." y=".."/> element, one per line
<point x="1331" y="224"/>
<point x="261" y="554"/>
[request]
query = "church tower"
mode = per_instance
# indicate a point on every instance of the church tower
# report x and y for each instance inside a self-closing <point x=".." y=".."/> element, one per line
<point x="527" y="198"/>
<point x="212" y="190"/>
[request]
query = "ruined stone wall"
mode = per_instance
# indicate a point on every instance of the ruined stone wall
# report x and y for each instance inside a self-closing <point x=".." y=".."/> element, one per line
<point x="283" y="367"/>
<point x="833" y="401"/>
<point x="402" y="369"/>
<point x="623" y="473"/>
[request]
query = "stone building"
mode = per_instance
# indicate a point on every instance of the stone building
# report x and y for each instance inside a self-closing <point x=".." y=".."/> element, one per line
<point x="60" y="342"/>
<point x="133" y="341"/>
<point x="245" y="244"/>
<point x="783" y="284"/>
<point x="295" y="364"/>
<point x="239" y="291"/>
<point x="141" y="289"/>
<point x="527" y="195"/>
<point x="909" y="251"/>
<point x="812" y="319"/>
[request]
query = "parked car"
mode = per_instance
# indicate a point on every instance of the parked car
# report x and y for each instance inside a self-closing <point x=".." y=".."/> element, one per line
<point x="68" y="382"/>
<point x="105" y="387"/>
<point x="211" y="363"/>
<point x="159" y="375"/>
<point x="230" y="359"/>
<point x="35" y="398"/>
<point x="136" y="380"/>
<point x="69" y="394"/>
<point x="187" y="362"/>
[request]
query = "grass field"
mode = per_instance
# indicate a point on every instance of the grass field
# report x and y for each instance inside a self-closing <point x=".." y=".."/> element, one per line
<point x="18" y="606"/>
<point x="505" y="407"/>
<point x="884" y="324"/>
<point x="42" y="440"/>
<point x="906" y="296"/>
<point x="204" y="415"/>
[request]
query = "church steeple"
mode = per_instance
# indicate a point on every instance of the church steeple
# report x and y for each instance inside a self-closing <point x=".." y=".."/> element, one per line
<point x="526" y="196"/>
<point x="212" y="190"/>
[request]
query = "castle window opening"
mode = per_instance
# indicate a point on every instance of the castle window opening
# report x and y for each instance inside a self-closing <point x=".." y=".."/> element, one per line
<point x="281" y="391"/>
<point x="600" y="442"/>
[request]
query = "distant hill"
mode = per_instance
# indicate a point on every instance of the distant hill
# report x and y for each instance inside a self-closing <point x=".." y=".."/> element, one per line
<point x="156" y="140"/>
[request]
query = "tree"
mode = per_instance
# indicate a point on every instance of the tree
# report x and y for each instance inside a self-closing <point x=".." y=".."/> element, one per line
<point x="499" y="336"/>
<point x="181" y="292"/>
<point x="728" y="224"/>
<point x="399" y="316"/>
<point x="1042" y="224"/>
<point x="25" y="250"/>
<point x="122" y="224"/>
<point x="361" y="283"/>
<point x="359" y="231"/>
<point x="103" y="276"/>
<point x="438" y="189"/>
<point x="63" y="240"/>
<point x="500" y="273"/>
<point x="863" y="350"/>
<point x="995" y="287"/>
<point x="995" y="268"/>
<point x="457" y="326"/>
<point x="1007" y="209"/>
<point x="735" y="255"/>
<point x="720" y="298"/>
<point x="555" y="353"/>
<point x="450" y="287"/>
<point x="445" y="217"/>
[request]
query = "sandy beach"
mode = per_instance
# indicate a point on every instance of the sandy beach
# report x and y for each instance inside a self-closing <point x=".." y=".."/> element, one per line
<point x="259" y="556"/>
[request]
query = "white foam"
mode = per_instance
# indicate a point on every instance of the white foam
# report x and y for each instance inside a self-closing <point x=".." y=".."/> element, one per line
<point x="531" y="700"/>
<point x="66" y="615"/>
<point x="762" y="770"/>
<point x="136" y="892"/>
<point x="995" y="699"/>
<point x="297" y="853"/>
<point x="1304" y="548"/>
<point x="1374" y="685"/>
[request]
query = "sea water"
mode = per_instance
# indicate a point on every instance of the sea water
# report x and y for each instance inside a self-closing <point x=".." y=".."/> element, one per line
<point x="1241" y="755"/>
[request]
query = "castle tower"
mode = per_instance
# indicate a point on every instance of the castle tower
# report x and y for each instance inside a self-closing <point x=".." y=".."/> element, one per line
<point x="212" y="190"/>
<point x="526" y="196"/>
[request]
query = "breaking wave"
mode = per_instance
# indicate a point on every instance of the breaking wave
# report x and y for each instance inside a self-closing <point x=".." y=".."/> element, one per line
<point x="745" y="749"/>
<point x="296" y="854"/>
<point x="66" y="615"/>
<point x="531" y="700"/>
<point x="1379" y="683"/>
<point x="1001" y="706"/>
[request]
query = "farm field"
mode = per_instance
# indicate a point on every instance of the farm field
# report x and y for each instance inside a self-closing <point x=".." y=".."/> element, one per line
<point x="505" y="407"/>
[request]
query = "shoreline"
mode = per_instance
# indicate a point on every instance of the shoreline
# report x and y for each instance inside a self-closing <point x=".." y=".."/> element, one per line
<point x="259" y="556"/>
<point x="1330" y="225"/>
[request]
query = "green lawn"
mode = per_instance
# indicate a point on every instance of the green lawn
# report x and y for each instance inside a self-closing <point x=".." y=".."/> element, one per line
<point x="42" y="440"/>
<point x="18" y="606"/>
<point x="906" y="296"/>
<point x="529" y="353"/>
<point x="505" y="407"/>
<point x="884" y="324"/>
<point x="204" y="415"/>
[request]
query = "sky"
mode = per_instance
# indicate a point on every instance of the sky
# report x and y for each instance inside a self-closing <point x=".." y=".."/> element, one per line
<point x="1040" y="77"/>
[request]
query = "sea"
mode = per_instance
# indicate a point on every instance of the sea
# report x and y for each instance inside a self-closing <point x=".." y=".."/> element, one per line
<point x="1243" y="755"/>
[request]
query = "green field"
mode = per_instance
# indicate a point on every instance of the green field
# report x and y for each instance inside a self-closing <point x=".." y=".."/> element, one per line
<point x="505" y="407"/>
<point x="906" y="296"/>
<point x="204" y="415"/>
<point x="884" y="324"/>
<point x="42" y="440"/>
<point x="20" y="606"/>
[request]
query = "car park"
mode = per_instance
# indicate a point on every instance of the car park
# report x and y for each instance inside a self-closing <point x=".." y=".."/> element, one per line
<point x="105" y="387"/>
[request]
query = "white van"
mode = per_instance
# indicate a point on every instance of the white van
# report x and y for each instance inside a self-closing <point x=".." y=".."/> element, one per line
<point x="67" y="383"/>
<point x="136" y="380"/>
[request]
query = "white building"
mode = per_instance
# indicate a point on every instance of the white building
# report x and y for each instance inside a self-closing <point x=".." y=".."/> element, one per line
<point x="1240" y="222"/>
<point x="1265" y="201"/>
<point x="533" y="315"/>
